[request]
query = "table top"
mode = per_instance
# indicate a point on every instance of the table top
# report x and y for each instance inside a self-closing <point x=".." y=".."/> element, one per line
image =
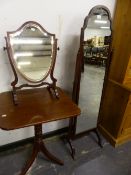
<point x="35" y="106"/>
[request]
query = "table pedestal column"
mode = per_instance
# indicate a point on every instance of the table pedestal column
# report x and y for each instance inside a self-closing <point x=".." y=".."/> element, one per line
<point x="39" y="146"/>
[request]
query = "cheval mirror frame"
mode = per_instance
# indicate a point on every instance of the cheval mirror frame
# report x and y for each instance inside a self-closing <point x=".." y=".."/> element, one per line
<point x="80" y="68"/>
<point x="34" y="26"/>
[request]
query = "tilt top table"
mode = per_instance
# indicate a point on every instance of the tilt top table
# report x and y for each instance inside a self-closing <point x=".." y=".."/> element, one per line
<point x="36" y="106"/>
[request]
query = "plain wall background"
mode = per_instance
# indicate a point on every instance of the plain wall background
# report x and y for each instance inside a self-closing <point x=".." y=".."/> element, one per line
<point x="62" y="17"/>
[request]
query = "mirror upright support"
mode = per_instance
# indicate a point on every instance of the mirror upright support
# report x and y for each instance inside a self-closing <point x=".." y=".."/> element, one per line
<point x="105" y="17"/>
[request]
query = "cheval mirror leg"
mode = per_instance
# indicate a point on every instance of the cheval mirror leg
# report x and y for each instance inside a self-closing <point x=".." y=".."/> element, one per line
<point x="39" y="146"/>
<point x="69" y="138"/>
<point x="99" y="138"/>
<point x="72" y="134"/>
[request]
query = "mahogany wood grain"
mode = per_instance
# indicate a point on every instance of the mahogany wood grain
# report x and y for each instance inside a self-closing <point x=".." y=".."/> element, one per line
<point x="35" y="106"/>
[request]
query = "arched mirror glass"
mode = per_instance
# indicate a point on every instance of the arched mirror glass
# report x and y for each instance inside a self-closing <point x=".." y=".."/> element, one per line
<point x="32" y="51"/>
<point x="93" y="58"/>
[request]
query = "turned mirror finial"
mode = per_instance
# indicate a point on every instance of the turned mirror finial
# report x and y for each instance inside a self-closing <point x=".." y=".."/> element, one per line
<point x="32" y="53"/>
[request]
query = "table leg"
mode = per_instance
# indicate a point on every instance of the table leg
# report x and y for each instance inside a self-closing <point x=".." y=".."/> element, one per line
<point x="49" y="155"/>
<point x="30" y="161"/>
<point x="39" y="146"/>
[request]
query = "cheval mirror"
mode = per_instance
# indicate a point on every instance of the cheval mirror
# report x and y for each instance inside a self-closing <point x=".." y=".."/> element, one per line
<point x="32" y="53"/>
<point x="91" y="68"/>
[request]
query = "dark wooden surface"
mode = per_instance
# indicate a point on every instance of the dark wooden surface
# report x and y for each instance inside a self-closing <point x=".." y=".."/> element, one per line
<point x="35" y="106"/>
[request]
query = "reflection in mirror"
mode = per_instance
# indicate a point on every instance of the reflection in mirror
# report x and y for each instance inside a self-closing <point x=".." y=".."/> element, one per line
<point x="32" y="52"/>
<point x="97" y="37"/>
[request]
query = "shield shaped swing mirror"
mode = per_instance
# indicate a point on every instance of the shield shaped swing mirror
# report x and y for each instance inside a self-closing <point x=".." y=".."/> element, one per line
<point x="32" y="53"/>
<point x="92" y="66"/>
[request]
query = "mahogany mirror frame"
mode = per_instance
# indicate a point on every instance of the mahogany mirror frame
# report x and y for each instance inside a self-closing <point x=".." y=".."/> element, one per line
<point x="33" y="84"/>
<point x="80" y="68"/>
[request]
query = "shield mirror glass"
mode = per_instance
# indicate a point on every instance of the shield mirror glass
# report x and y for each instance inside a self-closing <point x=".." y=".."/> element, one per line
<point x="32" y="50"/>
<point x="97" y="37"/>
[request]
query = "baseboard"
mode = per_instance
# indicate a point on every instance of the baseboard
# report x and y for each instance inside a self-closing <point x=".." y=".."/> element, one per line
<point x="31" y="139"/>
<point x="83" y="133"/>
<point x="107" y="135"/>
<point x="123" y="139"/>
<point x="115" y="142"/>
